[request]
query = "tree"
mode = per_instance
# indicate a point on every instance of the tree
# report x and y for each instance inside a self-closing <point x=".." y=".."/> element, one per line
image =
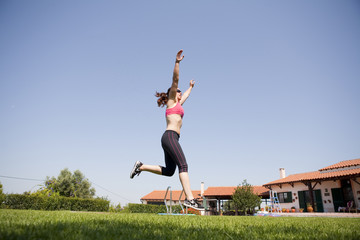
<point x="244" y="198"/>
<point x="2" y="196"/>
<point x="70" y="185"/>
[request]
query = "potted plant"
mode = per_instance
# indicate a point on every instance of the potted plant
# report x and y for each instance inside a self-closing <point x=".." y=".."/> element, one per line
<point x="301" y="209"/>
<point x="309" y="208"/>
<point x="292" y="209"/>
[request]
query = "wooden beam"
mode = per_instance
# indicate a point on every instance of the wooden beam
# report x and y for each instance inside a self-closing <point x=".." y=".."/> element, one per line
<point x="311" y="195"/>
<point x="354" y="179"/>
<point x="219" y="205"/>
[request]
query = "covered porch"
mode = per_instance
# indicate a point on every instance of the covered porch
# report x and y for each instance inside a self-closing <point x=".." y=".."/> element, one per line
<point x="218" y="199"/>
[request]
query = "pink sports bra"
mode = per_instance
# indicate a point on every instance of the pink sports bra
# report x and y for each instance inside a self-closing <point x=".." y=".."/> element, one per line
<point x="178" y="109"/>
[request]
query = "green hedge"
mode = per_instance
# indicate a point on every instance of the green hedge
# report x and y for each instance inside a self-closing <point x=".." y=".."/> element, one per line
<point x="149" y="208"/>
<point x="21" y="201"/>
<point x="2" y="198"/>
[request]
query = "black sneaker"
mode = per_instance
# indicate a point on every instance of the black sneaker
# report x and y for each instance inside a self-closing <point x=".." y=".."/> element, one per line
<point x="136" y="169"/>
<point x="193" y="203"/>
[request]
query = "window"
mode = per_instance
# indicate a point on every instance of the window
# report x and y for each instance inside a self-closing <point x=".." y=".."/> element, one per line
<point x="285" y="197"/>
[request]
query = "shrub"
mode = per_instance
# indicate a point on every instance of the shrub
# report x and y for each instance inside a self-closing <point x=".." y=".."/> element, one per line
<point x="2" y="195"/>
<point x="115" y="209"/>
<point x="245" y="199"/>
<point x="38" y="202"/>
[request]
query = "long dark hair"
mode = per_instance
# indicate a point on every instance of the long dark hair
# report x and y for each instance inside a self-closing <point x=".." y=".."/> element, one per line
<point x="163" y="98"/>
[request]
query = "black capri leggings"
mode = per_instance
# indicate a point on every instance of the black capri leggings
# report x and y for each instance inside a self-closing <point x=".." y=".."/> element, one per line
<point x="173" y="154"/>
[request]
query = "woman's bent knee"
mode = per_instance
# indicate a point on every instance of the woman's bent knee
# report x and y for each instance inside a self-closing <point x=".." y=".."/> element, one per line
<point x="167" y="172"/>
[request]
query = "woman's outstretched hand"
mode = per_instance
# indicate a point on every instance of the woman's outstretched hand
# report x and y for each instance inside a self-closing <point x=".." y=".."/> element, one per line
<point x="192" y="83"/>
<point x="178" y="56"/>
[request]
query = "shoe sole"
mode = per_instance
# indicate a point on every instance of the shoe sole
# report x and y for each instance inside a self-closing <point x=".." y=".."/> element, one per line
<point x="132" y="173"/>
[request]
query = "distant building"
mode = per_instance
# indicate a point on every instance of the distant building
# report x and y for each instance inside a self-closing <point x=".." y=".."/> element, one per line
<point x="157" y="197"/>
<point x="213" y="197"/>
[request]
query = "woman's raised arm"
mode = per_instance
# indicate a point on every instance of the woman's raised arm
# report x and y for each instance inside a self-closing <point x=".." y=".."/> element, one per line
<point x="187" y="92"/>
<point x="175" y="81"/>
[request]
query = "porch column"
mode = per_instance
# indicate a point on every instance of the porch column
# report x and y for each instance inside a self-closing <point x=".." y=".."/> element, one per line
<point x="219" y="205"/>
<point x="311" y="192"/>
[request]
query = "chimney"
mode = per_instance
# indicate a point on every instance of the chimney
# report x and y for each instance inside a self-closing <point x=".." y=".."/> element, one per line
<point x="202" y="189"/>
<point x="282" y="172"/>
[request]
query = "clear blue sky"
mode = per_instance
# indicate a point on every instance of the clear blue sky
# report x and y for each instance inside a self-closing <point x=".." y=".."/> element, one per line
<point x="277" y="85"/>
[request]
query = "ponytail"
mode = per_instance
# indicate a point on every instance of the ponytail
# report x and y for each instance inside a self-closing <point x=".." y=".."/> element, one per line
<point x="163" y="98"/>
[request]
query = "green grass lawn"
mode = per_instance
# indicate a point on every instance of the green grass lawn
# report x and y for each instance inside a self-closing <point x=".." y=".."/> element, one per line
<point x="28" y="224"/>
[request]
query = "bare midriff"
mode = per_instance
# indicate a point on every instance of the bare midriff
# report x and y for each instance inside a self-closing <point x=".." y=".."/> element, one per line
<point x="174" y="122"/>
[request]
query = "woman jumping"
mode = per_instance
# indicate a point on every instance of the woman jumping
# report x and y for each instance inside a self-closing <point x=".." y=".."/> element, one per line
<point x="170" y="139"/>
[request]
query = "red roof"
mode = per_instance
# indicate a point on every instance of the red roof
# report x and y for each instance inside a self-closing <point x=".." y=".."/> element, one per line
<point x="343" y="164"/>
<point x="158" y="195"/>
<point x="317" y="175"/>
<point x="228" y="191"/>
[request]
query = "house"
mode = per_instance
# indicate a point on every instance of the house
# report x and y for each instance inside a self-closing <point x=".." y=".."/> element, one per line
<point x="212" y="198"/>
<point x="325" y="190"/>
<point x="157" y="197"/>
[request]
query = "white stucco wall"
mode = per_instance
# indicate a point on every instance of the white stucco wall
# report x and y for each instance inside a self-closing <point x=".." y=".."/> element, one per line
<point x="326" y="195"/>
<point x="325" y="188"/>
<point x="288" y="188"/>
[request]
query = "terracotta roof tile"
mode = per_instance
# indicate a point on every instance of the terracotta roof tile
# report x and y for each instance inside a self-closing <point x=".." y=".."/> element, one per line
<point x="347" y="163"/>
<point x="228" y="191"/>
<point x="158" y="195"/>
<point x="317" y="175"/>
